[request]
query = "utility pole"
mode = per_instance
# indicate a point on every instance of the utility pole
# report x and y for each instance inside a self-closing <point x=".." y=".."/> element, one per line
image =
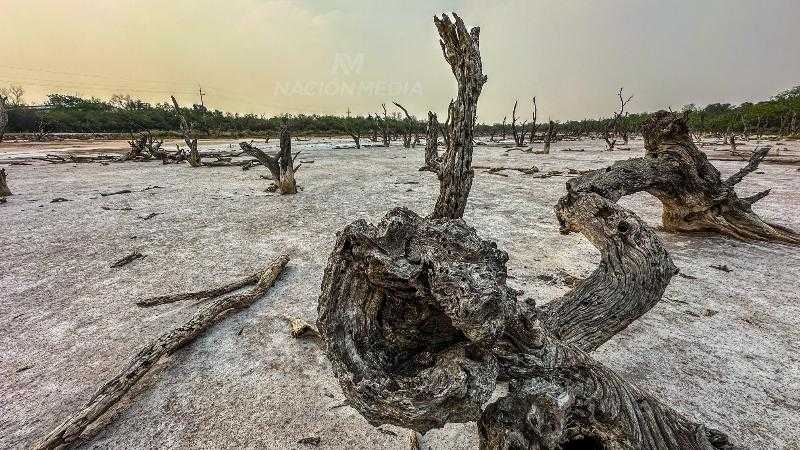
<point x="201" y="96"/>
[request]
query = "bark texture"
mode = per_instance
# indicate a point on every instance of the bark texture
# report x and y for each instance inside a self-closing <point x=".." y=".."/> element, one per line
<point x="408" y="310"/>
<point x="461" y="50"/>
<point x="693" y="194"/>
<point x="4" y="190"/>
<point x="68" y="434"/>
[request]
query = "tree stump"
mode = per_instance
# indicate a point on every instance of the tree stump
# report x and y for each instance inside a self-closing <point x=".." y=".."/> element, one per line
<point x="4" y="190"/>
<point x="281" y="166"/>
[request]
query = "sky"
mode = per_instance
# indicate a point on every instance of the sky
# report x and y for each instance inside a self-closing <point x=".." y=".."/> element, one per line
<point x="327" y="57"/>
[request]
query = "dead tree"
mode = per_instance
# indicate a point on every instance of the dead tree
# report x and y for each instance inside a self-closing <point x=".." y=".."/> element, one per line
<point x="4" y="190"/>
<point x="354" y="133"/>
<point x="613" y="127"/>
<point x="533" y="123"/>
<point x="745" y="128"/>
<point x="550" y="136"/>
<point x="693" y="194"/>
<point x="794" y="125"/>
<point x="281" y="166"/>
<point x="40" y="135"/>
<point x="519" y="137"/>
<point x="144" y="147"/>
<point x="420" y="324"/>
<point x="3" y="117"/>
<point x="186" y="130"/>
<point x="503" y="129"/>
<point x="387" y="138"/>
<point x="410" y="129"/>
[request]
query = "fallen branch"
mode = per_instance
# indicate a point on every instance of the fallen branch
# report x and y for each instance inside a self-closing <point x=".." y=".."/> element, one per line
<point x="68" y="434"/>
<point x="133" y="256"/>
<point x="202" y="295"/>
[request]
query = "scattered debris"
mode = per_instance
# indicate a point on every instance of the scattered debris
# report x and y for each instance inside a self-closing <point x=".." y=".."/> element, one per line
<point x="133" y="256"/>
<point x="711" y="312"/>
<point x="124" y="191"/>
<point x="311" y="440"/>
<point x="124" y="208"/>
<point x="149" y="216"/>
<point x="721" y="267"/>
<point x="301" y="328"/>
<point x="688" y="277"/>
<point x="59" y="200"/>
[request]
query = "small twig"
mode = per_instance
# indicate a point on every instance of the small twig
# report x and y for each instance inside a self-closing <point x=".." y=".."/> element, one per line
<point x="124" y="191"/>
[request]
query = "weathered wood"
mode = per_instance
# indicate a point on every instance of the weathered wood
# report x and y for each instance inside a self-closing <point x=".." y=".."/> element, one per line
<point x="693" y="194"/>
<point x="461" y="50"/>
<point x="68" y="433"/>
<point x="193" y="158"/>
<point x="410" y="129"/>
<point x="401" y="304"/>
<point x="204" y="294"/>
<point x="3" y="117"/>
<point x="4" y="190"/>
<point x="281" y="166"/>
<point x="549" y="136"/>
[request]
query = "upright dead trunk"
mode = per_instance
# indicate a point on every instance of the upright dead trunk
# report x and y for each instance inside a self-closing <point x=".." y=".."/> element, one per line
<point x="281" y="166"/>
<point x="4" y="190"/>
<point x="3" y="117"/>
<point x="503" y="129"/>
<point x="186" y="129"/>
<point x="385" y="130"/>
<point x="519" y="137"/>
<point x="533" y="123"/>
<point x="409" y="130"/>
<point x="461" y="51"/>
<point x="693" y="194"/>
<point x="548" y="138"/>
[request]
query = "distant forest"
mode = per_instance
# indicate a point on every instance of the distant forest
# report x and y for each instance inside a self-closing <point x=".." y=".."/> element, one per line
<point x="123" y="114"/>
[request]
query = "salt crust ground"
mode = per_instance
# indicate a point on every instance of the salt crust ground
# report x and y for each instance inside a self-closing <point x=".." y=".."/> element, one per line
<point x="723" y="348"/>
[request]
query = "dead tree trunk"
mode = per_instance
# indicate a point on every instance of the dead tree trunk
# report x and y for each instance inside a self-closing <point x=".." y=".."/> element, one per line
<point x="4" y="190"/>
<point x="519" y="137"/>
<point x="3" y="117"/>
<point x="281" y="166"/>
<point x="186" y="129"/>
<point x="548" y="138"/>
<point x="693" y="194"/>
<point x="503" y="129"/>
<point x="420" y="324"/>
<point x="613" y="128"/>
<point x="410" y="129"/>
<point x="533" y="123"/>
<point x="385" y="130"/>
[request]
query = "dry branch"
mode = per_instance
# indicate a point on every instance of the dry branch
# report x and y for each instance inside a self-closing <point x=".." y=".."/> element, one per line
<point x="127" y="259"/>
<point x="68" y="433"/>
<point x="186" y="130"/>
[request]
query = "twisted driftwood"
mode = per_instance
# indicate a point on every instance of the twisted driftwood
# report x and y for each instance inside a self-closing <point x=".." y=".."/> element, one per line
<point x="281" y="166"/>
<point x="693" y="194"/>
<point x="68" y="433"/>
<point x="420" y="324"/>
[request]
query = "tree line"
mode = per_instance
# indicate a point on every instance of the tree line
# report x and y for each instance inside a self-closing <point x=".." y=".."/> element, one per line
<point x="123" y="114"/>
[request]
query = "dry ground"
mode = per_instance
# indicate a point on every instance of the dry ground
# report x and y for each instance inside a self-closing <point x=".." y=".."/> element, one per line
<point x="723" y="347"/>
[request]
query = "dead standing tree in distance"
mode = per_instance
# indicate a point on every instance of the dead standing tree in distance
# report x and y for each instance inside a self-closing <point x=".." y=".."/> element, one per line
<point x="613" y="127"/>
<point x="519" y="137"/>
<point x="420" y="325"/>
<point x="3" y="117"/>
<point x="693" y="194"/>
<point x="549" y="136"/>
<point x="385" y="126"/>
<point x="186" y="129"/>
<point x="281" y="166"/>
<point x="410" y="129"/>
<point x="533" y="123"/>
<point x="4" y="190"/>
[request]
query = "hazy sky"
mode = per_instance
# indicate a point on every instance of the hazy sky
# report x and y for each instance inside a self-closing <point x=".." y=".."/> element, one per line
<point x="320" y="56"/>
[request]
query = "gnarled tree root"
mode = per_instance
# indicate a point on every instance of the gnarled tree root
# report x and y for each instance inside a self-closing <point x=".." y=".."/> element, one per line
<point x="693" y="194"/>
<point x="68" y="433"/>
